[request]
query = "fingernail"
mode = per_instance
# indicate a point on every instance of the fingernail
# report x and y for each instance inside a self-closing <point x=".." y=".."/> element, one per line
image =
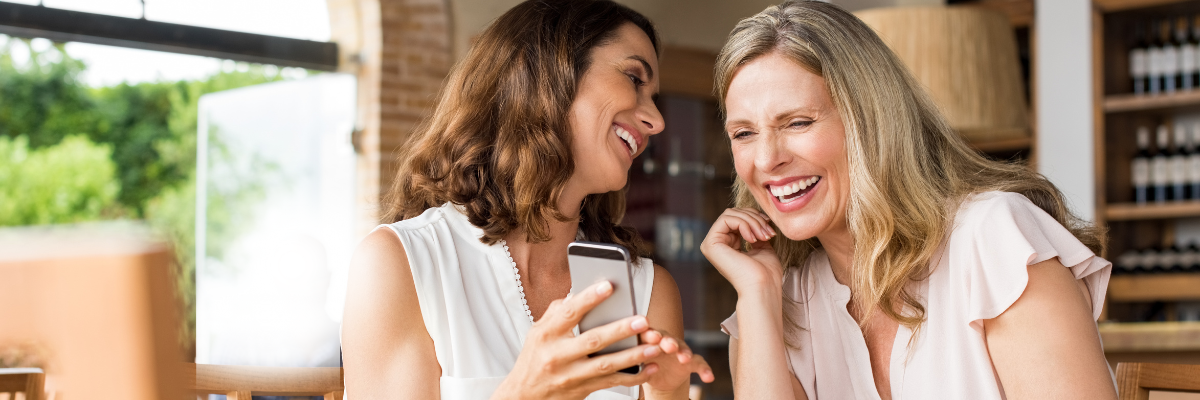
<point x="650" y="369"/>
<point x="604" y="287"/>
<point x="651" y="351"/>
<point x="638" y="324"/>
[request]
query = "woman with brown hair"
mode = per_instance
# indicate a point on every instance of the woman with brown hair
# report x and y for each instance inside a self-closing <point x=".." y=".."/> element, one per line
<point x="908" y="265"/>
<point x="528" y="149"/>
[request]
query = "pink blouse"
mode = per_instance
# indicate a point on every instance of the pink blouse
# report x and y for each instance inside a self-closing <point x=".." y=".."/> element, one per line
<point x="980" y="273"/>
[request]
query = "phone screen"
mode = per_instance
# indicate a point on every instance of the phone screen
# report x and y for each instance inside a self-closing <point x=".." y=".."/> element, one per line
<point x="595" y="262"/>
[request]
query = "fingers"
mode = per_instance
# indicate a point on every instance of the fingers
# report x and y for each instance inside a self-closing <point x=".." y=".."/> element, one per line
<point x="600" y="337"/>
<point x="753" y="226"/>
<point x="563" y="315"/>
<point x="610" y="380"/>
<point x="683" y="354"/>
<point x="754" y="221"/>
<point x="700" y="367"/>
<point x="669" y="345"/>
<point x="612" y="363"/>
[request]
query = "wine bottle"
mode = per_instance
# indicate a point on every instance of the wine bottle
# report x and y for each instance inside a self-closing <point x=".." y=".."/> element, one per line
<point x="1141" y="167"/>
<point x="1194" y="161"/>
<point x="1187" y="55"/>
<point x="1154" y="60"/>
<point x="1180" y="156"/>
<point x="1193" y="264"/>
<point x="1160" y="165"/>
<point x="1195" y="41"/>
<point x="1138" y="60"/>
<point x="1169" y="61"/>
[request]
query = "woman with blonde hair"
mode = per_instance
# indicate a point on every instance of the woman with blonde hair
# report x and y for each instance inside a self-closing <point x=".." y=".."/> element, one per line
<point x="909" y="266"/>
<point x="461" y="295"/>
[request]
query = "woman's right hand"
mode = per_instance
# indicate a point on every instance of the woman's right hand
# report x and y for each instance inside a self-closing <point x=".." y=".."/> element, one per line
<point x="748" y="271"/>
<point x="554" y="363"/>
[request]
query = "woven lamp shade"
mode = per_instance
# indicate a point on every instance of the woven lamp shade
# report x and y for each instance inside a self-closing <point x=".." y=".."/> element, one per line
<point x="966" y="57"/>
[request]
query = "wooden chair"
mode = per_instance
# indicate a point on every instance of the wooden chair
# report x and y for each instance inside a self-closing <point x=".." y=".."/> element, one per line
<point x="1136" y="380"/>
<point x="239" y="382"/>
<point x="29" y="381"/>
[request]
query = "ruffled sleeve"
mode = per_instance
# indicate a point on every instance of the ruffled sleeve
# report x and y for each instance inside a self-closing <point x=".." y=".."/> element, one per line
<point x="729" y="326"/>
<point x="996" y="236"/>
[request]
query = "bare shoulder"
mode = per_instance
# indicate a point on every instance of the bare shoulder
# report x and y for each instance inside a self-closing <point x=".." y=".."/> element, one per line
<point x="1048" y="330"/>
<point x="666" y="309"/>
<point x="386" y="346"/>
<point x="382" y="250"/>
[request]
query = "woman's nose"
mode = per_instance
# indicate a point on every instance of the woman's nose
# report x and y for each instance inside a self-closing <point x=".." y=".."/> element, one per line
<point x="651" y="119"/>
<point x="771" y="153"/>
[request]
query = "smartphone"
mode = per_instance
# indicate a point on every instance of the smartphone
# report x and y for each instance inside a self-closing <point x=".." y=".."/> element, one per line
<point x="592" y="262"/>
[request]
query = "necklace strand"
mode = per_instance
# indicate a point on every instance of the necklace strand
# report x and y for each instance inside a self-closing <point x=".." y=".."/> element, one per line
<point x="517" y="276"/>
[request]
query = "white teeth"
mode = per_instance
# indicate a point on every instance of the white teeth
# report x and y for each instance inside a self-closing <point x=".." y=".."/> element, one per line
<point x="792" y="188"/>
<point x="624" y="135"/>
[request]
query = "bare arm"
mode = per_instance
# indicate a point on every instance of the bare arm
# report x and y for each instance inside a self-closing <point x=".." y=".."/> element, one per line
<point x="760" y="325"/>
<point x="386" y="348"/>
<point x="757" y="275"/>
<point x="677" y="361"/>
<point x="797" y="388"/>
<point x="1045" y="345"/>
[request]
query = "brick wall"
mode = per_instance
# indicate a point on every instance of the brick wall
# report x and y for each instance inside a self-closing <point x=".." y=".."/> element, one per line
<point x="400" y="50"/>
<point x="416" y="57"/>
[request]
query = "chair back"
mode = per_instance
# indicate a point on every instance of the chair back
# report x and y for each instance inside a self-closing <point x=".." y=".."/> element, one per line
<point x="240" y="382"/>
<point x="1136" y="380"/>
<point x="29" y="381"/>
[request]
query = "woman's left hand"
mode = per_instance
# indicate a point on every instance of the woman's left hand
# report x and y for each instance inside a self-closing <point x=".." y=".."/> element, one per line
<point x="676" y="364"/>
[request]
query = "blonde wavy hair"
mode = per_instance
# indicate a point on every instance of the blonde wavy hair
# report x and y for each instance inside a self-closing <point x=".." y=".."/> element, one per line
<point x="909" y="171"/>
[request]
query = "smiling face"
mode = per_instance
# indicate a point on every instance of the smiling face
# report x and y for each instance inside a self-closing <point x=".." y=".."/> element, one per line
<point x="613" y="114"/>
<point x="789" y="146"/>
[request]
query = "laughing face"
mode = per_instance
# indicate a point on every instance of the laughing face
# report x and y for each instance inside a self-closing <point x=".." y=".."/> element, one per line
<point x="613" y="114"/>
<point x="789" y="146"/>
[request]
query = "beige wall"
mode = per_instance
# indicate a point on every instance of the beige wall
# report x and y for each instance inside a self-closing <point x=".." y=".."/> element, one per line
<point x="696" y="24"/>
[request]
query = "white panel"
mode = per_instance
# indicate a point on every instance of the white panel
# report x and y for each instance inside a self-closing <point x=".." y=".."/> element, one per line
<point x="1064" y="100"/>
<point x="277" y="158"/>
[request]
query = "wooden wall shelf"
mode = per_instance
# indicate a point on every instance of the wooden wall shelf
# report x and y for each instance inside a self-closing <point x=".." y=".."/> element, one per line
<point x="1128" y="102"/>
<point x="1154" y="287"/>
<point x="1005" y="145"/>
<point x="1122" y="5"/>
<point x="1150" y="336"/>
<point x="1135" y="212"/>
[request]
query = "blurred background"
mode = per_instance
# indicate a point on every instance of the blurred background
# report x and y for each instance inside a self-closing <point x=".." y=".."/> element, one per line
<point x="258" y="136"/>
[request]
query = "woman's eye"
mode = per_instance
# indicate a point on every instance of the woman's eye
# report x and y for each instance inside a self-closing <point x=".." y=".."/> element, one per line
<point x="636" y="80"/>
<point x="800" y="124"/>
<point x="742" y="134"/>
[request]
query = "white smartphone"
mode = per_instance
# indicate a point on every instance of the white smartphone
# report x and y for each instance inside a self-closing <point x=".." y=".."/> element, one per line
<point x="591" y="263"/>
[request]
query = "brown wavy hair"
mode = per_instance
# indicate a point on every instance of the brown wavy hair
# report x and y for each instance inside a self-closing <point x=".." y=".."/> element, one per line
<point x="909" y="170"/>
<point x="499" y="142"/>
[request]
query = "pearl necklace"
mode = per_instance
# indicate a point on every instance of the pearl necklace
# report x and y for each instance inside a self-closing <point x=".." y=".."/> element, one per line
<point x="517" y="276"/>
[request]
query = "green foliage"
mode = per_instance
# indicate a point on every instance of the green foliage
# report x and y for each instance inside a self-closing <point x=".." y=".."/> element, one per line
<point x="44" y="100"/>
<point x="71" y="181"/>
<point x="71" y="153"/>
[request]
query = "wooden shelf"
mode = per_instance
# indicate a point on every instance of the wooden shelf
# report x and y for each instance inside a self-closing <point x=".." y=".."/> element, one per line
<point x="1129" y="102"/>
<point x="1156" y="287"/>
<point x="1006" y="145"/>
<point x="1134" y="212"/>
<point x="1019" y="12"/>
<point x="1122" y="5"/>
<point x="1150" y="336"/>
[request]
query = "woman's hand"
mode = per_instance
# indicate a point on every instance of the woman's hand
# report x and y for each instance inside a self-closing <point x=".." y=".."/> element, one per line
<point x="554" y="363"/>
<point x="676" y="366"/>
<point x="749" y="271"/>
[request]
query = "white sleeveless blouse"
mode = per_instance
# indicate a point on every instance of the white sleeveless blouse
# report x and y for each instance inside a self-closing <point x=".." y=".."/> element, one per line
<point x="471" y="304"/>
<point x="981" y="271"/>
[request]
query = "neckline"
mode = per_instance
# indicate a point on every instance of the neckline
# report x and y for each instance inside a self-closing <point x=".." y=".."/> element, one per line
<point x="517" y="276"/>
<point x="839" y="295"/>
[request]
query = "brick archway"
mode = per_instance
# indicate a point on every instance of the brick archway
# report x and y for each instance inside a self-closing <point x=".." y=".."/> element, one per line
<point x="401" y="51"/>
